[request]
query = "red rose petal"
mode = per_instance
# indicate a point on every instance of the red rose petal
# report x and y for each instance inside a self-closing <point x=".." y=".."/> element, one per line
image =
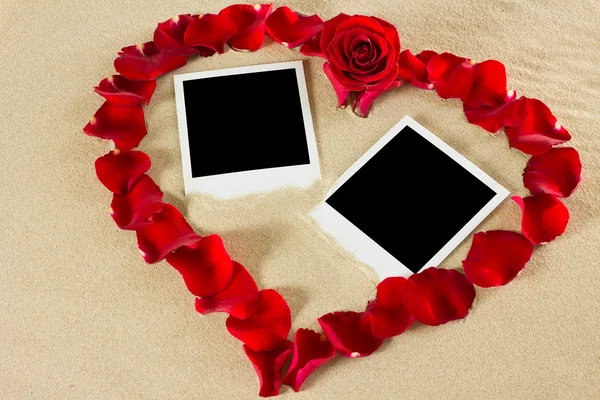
<point x="145" y="62"/>
<point x="437" y="296"/>
<point x="206" y="268"/>
<point x="312" y="47"/>
<point x="267" y="327"/>
<point x="496" y="257"/>
<point x="350" y="333"/>
<point x="341" y="91"/>
<point x="311" y="350"/>
<point x="118" y="170"/>
<point x="167" y="232"/>
<point x="292" y="29"/>
<point x="250" y="22"/>
<point x="120" y="91"/>
<point x="238" y="298"/>
<point x="168" y="36"/>
<point x="267" y="365"/>
<point x="452" y="76"/>
<point x="557" y="172"/>
<point x="544" y="217"/>
<point x="365" y="99"/>
<point x="493" y="118"/>
<point x="211" y="32"/>
<point x="125" y="126"/>
<point x="413" y="69"/>
<point x="134" y="210"/>
<point x="489" y="85"/>
<point x="329" y="30"/>
<point x="539" y="131"/>
<point x="389" y="317"/>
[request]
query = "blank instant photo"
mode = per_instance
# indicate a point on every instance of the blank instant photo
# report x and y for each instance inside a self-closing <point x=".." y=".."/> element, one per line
<point x="407" y="202"/>
<point x="246" y="130"/>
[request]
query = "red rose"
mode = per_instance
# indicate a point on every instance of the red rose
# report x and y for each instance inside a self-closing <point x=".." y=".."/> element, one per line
<point x="362" y="54"/>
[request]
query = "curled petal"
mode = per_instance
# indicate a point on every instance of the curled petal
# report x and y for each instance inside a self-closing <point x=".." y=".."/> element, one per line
<point x="206" y="268"/>
<point x="210" y="32"/>
<point x="237" y="299"/>
<point x="250" y="23"/>
<point x="292" y="29"/>
<point x="340" y="90"/>
<point x="350" y="333"/>
<point x="492" y="118"/>
<point x="168" y="36"/>
<point x="120" y="91"/>
<point x="311" y="350"/>
<point x="144" y="62"/>
<point x="436" y="296"/>
<point x="544" y="217"/>
<point x="389" y="317"/>
<point x="413" y="69"/>
<point x="330" y="29"/>
<point x="489" y="85"/>
<point x="496" y="257"/>
<point x="267" y="327"/>
<point x="134" y="210"/>
<point x="125" y="126"/>
<point x="268" y="364"/>
<point x="539" y="131"/>
<point x="119" y="170"/>
<point x="557" y="172"/>
<point x="452" y="76"/>
<point x="312" y="47"/>
<point x="167" y="232"/>
<point x="365" y="99"/>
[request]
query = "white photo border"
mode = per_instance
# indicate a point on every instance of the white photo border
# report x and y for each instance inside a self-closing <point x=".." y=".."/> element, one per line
<point x="237" y="184"/>
<point x="366" y="249"/>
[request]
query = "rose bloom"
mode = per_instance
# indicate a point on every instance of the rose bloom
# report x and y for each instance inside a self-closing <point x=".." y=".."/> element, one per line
<point x="362" y="54"/>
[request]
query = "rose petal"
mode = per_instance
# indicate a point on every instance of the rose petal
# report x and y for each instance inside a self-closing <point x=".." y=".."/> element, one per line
<point x="206" y="268"/>
<point x="539" y="131"/>
<point x="267" y="365"/>
<point x="145" y="62"/>
<point x="365" y="99"/>
<point x="135" y="209"/>
<point x="118" y="170"/>
<point x="413" y="69"/>
<point x="557" y="172"/>
<point x="312" y="47"/>
<point x="167" y="232"/>
<point x="168" y="36"/>
<point x="437" y="296"/>
<point x="311" y="350"/>
<point x="211" y="32"/>
<point x="452" y="76"/>
<point x="237" y="299"/>
<point x="544" y="217"/>
<point x="267" y="327"/>
<point x="341" y="92"/>
<point x="125" y="126"/>
<point x="329" y="30"/>
<point x="350" y="333"/>
<point x="496" y="257"/>
<point x="250" y="22"/>
<point x="120" y="91"/>
<point x="493" y="118"/>
<point x="389" y="317"/>
<point x="292" y="29"/>
<point x="489" y="85"/>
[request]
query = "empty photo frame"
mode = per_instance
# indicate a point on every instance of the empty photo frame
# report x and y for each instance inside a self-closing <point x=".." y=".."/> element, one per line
<point x="407" y="202"/>
<point x="246" y="130"/>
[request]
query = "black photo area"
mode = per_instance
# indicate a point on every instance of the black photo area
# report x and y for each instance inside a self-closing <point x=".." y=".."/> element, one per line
<point x="245" y="122"/>
<point x="411" y="198"/>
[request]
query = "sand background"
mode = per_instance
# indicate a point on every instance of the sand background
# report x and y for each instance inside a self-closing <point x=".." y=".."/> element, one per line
<point x="82" y="317"/>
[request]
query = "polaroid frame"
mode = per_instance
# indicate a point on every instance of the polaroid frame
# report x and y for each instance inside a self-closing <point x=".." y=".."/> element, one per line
<point x="242" y="183"/>
<point x="366" y="249"/>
